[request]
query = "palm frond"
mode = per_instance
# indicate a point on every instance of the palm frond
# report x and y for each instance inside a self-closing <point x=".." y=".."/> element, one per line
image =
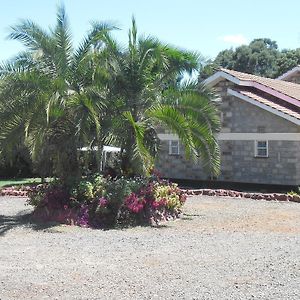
<point x="31" y="35"/>
<point x="63" y="41"/>
<point x="139" y="148"/>
<point x="172" y="119"/>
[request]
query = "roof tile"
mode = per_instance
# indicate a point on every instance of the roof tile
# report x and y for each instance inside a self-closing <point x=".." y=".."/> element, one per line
<point x="287" y="88"/>
<point x="269" y="102"/>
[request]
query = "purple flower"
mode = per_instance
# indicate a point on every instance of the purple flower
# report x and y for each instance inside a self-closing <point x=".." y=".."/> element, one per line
<point x="83" y="219"/>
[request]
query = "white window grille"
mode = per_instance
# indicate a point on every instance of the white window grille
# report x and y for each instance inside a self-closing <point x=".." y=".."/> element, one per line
<point x="261" y="149"/>
<point x="174" y="147"/>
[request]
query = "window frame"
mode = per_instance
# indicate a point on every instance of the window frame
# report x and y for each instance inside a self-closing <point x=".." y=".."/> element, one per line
<point x="257" y="148"/>
<point x="171" y="147"/>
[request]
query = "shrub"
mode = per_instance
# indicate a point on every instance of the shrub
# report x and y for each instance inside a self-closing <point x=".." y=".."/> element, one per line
<point x="295" y="193"/>
<point x="84" y="191"/>
<point x="53" y="195"/>
<point x="99" y="202"/>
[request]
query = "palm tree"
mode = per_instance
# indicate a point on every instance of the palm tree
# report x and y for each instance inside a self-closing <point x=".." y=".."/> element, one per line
<point x="146" y="96"/>
<point x="52" y="95"/>
<point x="58" y="99"/>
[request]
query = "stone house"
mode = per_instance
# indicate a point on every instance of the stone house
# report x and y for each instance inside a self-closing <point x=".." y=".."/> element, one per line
<point x="260" y="135"/>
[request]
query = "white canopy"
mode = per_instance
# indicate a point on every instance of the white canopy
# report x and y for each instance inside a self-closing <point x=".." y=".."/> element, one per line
<point x="105" y="149"/>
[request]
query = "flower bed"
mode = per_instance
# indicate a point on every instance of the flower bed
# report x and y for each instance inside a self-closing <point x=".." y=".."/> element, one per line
<point x="100" y="203"/>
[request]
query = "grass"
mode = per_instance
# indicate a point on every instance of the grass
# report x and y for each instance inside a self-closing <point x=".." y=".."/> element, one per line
<point x="18" y="181"/>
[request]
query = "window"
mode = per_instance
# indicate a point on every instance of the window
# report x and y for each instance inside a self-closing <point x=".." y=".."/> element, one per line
<point x="261" y="149"/>
<point x="173" y="147"/>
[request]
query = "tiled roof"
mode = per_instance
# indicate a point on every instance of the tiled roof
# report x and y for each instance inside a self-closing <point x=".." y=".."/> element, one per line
<point x="287" y="88"/>
<point x="269" y="101"/>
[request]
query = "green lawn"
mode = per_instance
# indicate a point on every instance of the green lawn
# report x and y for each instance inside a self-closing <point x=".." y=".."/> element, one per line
<point x="18" y="181"/>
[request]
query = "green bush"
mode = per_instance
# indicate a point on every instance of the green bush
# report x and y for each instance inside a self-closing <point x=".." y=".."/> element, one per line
<point x="295" y="193"/>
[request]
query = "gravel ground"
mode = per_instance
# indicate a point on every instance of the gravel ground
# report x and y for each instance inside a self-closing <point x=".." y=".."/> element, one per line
<point x="222" y="248"/>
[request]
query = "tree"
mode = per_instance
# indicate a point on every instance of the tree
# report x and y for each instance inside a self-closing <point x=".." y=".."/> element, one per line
<point x="53" y="95"/>
<point x="59" y="99"/>
<point x="261" y="57"/>
<point x="287" y="60"/>
<point x="146" y="95"/>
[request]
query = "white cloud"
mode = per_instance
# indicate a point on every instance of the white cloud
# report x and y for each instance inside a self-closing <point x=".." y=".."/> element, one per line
<point x="235" y="39"/>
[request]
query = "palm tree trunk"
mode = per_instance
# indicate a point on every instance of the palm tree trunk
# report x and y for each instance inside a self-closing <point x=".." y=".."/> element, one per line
<point x="67" y="166"/>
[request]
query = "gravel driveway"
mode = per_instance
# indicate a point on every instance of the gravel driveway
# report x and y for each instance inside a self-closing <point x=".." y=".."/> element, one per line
<point x="222" y="248"/>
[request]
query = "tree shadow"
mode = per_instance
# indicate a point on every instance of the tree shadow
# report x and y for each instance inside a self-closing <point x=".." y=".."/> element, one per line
<point x="22" y="219"/>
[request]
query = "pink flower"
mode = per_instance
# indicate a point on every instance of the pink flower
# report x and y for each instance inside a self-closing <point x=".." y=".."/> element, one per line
<point x="103" y="202"/>
<point x="65" y="206"/>
<point x="155" y="204"/>
<point x="160" y="203"/>
<point x="134" y="203"/>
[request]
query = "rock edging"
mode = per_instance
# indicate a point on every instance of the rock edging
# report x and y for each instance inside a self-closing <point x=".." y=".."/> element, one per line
<point x="14" y="192"/>
<point x="236" y="194"/>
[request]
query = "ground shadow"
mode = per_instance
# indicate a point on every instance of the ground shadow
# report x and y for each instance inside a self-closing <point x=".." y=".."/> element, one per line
<point x="188" y="216"/>
<point x="23" y="219"/>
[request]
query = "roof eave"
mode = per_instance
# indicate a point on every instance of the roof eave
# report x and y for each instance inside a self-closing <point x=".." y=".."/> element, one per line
<point x="218" y="76"/>
<point x="289" y="73"/>
<point x="263" y="106"/>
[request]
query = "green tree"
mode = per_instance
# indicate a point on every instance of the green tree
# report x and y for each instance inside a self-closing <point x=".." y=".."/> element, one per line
<point x="59" y="99"/>
<point x="261" y="57"/>
<point x="287" y="60"/>
<point x="52" y="95"/>
<point x="147" y="95"/>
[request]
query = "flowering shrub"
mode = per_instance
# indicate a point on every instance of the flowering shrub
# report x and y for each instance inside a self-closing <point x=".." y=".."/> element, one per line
<point x="83" y="216"/>
<point x="98" y="202"/>
<point x="85" y="191"/>
<point x="168" y="195"/>
<point x="54" y="196"/>
<point x="134" y="203"/>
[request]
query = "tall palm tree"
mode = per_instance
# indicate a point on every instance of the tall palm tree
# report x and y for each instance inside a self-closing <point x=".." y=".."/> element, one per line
<point x="58" y="99"/>
<point x="146" y="96"/>
<point x="53" y="95"/>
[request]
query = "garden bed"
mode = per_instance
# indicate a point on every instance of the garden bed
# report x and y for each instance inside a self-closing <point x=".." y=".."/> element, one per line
<point x="99" y="202"/>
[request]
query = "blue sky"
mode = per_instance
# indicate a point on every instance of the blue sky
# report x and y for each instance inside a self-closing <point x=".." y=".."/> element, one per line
<point x="205" y="26"/>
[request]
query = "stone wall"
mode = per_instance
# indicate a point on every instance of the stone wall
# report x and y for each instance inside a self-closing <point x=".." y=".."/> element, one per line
<point x="238" y="161"/>
<point x="177" y="166"/>
<point x="239" y="164"/>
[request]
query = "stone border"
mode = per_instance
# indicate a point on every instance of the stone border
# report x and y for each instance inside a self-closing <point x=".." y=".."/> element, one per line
<point x="11" y="191"/>
<point x="236" y="194"/>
